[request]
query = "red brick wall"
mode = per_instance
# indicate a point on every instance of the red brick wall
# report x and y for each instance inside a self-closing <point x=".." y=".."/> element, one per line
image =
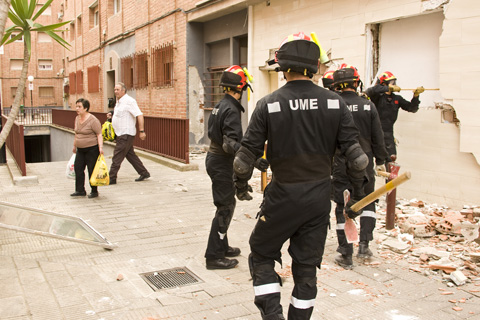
<point x="160" y="102"/>
<point x="42" y="78"/>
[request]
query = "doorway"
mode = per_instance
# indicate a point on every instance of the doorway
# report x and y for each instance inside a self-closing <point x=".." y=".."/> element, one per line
<point x="409" y="48"/>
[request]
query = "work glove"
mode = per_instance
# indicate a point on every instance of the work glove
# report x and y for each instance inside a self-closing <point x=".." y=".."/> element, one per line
<point x="230" y="145"/>
<point x="394" y="88"/>
<point x="241" y="190"/>
<point x="417" y="91"/>
<point x="380" y="167"/>
<point x="348" y="209"/>
<point x="261" y="164"/>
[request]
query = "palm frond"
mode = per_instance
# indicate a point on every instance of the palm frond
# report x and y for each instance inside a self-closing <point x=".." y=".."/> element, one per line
<point x="43" y="8"/>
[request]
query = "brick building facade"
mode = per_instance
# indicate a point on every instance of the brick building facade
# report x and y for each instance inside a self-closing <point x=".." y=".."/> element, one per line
<point x="46" y="66"/>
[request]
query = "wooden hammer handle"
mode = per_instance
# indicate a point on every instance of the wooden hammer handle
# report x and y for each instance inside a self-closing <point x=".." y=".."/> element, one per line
<point x="381" y="191"/>
<point x="383" y="174"/>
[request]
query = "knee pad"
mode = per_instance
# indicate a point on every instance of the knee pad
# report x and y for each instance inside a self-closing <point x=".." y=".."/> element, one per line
<point x="357" y="160"/>
<point x="304" y="274"/>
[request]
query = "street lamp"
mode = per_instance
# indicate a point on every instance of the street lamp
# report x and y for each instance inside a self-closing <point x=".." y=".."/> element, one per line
<point x="30" y="87"/>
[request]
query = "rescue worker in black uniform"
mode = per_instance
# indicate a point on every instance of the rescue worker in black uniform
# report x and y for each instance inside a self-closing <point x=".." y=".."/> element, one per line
<point x="225" y="133"/>
<point x="327" y="80"/>
<point x="304" y="124"/>
<point x="365" y="115"/>
<point x="388" y="103"/>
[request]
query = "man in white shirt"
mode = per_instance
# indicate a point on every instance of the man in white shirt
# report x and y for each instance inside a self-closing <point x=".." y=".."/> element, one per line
<point x="124" y="121"/>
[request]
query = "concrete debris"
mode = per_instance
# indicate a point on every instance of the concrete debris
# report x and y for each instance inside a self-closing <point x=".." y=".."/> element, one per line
<point x="469" y="230"/>
<point x="433" y="240"/>
<point x="396" y="245"/>
<point x="431" y="253"/>
<point x="458" y="278"/>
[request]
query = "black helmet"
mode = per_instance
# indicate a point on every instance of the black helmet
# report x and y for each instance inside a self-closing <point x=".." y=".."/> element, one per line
<point x="235" y="78"/>
<point x="346" y="77"/>
<point x="297" y="53"/>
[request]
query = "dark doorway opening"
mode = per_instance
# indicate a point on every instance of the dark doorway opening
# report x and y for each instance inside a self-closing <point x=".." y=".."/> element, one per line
<point x="37" y="149"/>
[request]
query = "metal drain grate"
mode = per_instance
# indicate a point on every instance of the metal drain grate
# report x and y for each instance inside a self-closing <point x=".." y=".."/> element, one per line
<point x="171" y="278"/>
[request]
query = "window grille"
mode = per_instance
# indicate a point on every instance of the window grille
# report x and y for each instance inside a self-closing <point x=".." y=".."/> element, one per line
<point x="140" y="79"/>
<point x="127" y="71"/>
<point x="213" y="91"/>
<point x="162" y="65"/>
<point x="93" y="79"/>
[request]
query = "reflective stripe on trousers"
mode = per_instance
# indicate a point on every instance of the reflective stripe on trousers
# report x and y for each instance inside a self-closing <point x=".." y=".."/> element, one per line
<point x="302" y="304"/>
<point x="268" y="288"/>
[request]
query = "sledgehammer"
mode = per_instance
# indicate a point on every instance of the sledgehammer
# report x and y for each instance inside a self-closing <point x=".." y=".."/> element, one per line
<point x="350" y="228"/>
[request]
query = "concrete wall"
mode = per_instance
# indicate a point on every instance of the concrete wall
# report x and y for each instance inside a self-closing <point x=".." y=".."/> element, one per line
<point x="439" y="155"/>
<point x="61" y="142"/>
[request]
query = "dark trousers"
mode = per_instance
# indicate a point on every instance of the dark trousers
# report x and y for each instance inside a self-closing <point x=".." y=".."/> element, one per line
<point x="124" y="149"/>
<point x="220" y="170"/>
<point x="86" y="157"/>
<point x="367" y="218"/>
<point x="299" y="213"/>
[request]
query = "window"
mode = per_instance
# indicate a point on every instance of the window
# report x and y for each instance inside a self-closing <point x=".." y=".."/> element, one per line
<point x="45" y="92"/>
<point x="16" y="64"/>
<point x="13" y="91"/>
<point x="72" y="77"/>
<point x="117" y="6"/>
<point x="94" y="15"/>
<point x="43" y="37"/>
<point x="140" y="79"/>
<point x="162" y="65"/>
<point x="213" y="91"/>
<point x="126" y="65"/>
<point x="93" y="81"/>
<point x="79" y="81"/>
<point x="13" y="35"/>
<point x="72" y="31"/>
<point x="45" y="64"/>
<point x="79" y="25"/>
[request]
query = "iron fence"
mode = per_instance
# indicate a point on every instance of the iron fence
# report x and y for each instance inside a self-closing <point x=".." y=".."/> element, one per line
<point x="16" y="144"/>
<point x="165" y="136"/>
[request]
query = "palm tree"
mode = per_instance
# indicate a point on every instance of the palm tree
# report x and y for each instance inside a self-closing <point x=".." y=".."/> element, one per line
<point x="4" y="5"/>
<point x="22" y="14"/>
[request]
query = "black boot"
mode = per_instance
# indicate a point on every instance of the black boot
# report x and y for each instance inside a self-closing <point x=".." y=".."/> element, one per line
<point x="363" y="251"/>
<point x="221" y="263"/>
<point x="345" y="261"/>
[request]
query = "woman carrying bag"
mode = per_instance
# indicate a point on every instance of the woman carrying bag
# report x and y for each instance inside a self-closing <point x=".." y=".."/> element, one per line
<point x="88" y="145"/>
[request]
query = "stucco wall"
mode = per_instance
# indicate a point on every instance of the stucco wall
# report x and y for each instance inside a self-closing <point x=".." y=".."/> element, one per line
<point x="439" y="155"/>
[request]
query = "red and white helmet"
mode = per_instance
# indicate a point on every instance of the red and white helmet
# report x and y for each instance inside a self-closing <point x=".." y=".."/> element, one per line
<point x="385" y="77"/>
<point x="327" y="79"/>
<point x="234" y="77"/>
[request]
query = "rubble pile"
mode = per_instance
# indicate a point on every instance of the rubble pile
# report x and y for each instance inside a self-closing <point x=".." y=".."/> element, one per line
<point x="434" y="240"/>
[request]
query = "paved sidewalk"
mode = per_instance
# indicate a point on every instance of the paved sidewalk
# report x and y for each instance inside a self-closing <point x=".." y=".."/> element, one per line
<point x="163" y="223"/>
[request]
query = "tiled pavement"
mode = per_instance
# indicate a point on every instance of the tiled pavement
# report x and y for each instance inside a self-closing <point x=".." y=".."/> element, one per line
<point x="163" y="223"/>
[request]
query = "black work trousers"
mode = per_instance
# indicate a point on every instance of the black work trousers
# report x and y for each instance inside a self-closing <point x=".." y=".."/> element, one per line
<point x="85" y="157"/>
<point x="124" y="149"/>
<point x="220" y="170"/>
<point x="298" y="212"/>
<point x="367" y="218"/>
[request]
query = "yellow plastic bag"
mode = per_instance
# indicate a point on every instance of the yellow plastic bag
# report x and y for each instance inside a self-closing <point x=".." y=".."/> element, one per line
<point x="100" y="175"/>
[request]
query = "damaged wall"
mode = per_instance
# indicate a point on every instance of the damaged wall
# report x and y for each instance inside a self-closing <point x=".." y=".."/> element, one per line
<point x="341" y="28"/>
<point x="460" y="69"/>
<point x="195" y="106"/>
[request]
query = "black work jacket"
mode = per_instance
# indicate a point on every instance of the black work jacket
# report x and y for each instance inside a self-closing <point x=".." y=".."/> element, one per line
<point x="303" y="124"/>
<point x="366" y="119"/>
<point x="225" y="120"/>
<point x="388" y="105"/>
